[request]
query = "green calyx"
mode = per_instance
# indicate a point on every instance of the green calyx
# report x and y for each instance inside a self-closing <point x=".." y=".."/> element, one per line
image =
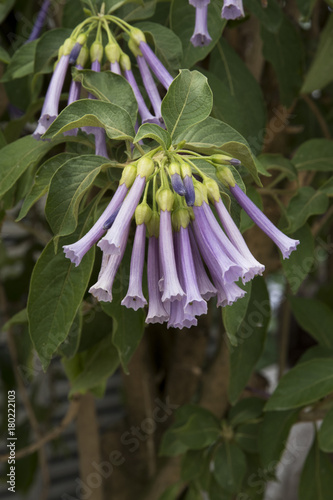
<point x="165" y="199"/>
<point x="220" y="159"/>
<point x="128" y="176"/>
<point x="143" y="214"/>
<point x="81" y="39"/>
<point x="213" y="190"/>
<point x="125" y="62"/>
<point x="225" y="176"/>
<point x="174" y="167"/>
<point x="96" y="52"/>
<point x="83" y="56"/>
<point x="112" y="52"/>
<point x="200" y="193"/>
<point x="153" y="225"/>
<point x="67" y="47"/>
<point x="145" y="167"/>
<point x="180" y="218"/>
<point x="134" y="48"/>
<point x="185" y="169"/>
<point x="137" y="36"/>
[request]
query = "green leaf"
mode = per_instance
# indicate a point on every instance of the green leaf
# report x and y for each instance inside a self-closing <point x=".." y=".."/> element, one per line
<point x="171" y="492"/>
<point x="42" y="180"/>
<point x="92" y="113"/>
<point x="168" y="47"/>
<point x="251" y="336"/>
<point x="238" y="98"/>
<point x="128" y="325"/>
<point x="306" y="7"/>
<point x="182" y="19"/>
<point x="229" y="467"/>
<point x="56" y="291"/>
<point x="316" y="352"/>
<point x="5" y="7"/>
<point x="4" y="56"/>
<point x="108" y="87"/>
<point x="270" y="16"/>
<point x="71" y="343"/>
<point x="233" y="315"/>
<point x="155" y="132"/>
<point x="299" y="264"/>
<point x="302" y="385"/>
<point x="187" y="102"/>
<point x="327" y="187"/>
<point x="306" y="202"/>
<point x="100" y="362"/>
<point x="320" y="73"/>
<point x="193" y="464"/>
<point x="17" y="157"/>
<point x="218" y="493"/>
<point x="315" y="317"/>
<point x="19" y="318"/>
<point x="273" y="435"/>
<point x="47" y="49"/>
<point x="315" y="154"/>
<point x="68" y="185"/>
<point x="246" y="436"/>
<point x="317" y="475"/>
<point x="325" y="435"/>
<point x="279" y="163"/>
<point x="245" y="221"/>
<point x="144" y="10"/>
<point x="22" y="62"/>
<point x="245" y="411"/>
<point x="284" y="50"/>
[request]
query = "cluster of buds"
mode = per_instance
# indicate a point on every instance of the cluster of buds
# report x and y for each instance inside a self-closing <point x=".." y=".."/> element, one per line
<point x="191" y="256"/>
<point x="232" y="9"/>
<point x="76" y="52"/>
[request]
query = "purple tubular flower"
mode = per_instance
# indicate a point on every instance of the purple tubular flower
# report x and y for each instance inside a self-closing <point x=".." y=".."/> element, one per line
<point x="189" y="188"/>
<point x="232" y="9"/>
<point x="172" y="289"/>
<point x="134" y="298"/>
<point x="110" y="244"/>
<point x="51" y="104"/>
<point x="208" y="243"/>
<point x="102" y="289"/>
<point x="228" y="294"/>
<point x="108" y="223"/>
<point x="199" y="3"/>
<point x="39" y="21"/>
<point x="75" y="53"/>
<point x="237" y="239"/>
<point x="201" y="37"/>
<point x="146" y="116"/>
<point x="156" y="310"/>
<point x="206" y="288"/>
<point x="151" y="89"/>
<point x="177" y="184"/>
<point x="195" y="305"/>
<point x="74" y="95"/>
<point x="115" y="68"/>
<point x="77" y="250"/>
<point x="285" y="244"/>
<point x="178" y="318"/>
<point x="161" y="73"/>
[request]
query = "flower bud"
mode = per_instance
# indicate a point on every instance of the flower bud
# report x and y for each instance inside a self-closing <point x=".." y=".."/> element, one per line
<point x="134" y="48"/>
<point x="225" y="176"/>
<point x="174" y="168"/>
<point x="137" y="36"/>
<point x="83" y="56"/>
<point x="153" y="225"/>
<point x="220" y="159"/>
<point x="68" y="46"/>
<point x="165" y="199"/>
<point x="125" y="62"/>
<point x="112" y="52"/>
<point x="145" y="167"/>
<point x="180" y="218"/>
<point x="128" y="176"/>
<point x="185" y="169"/>
<point x="96" y="52"/>
<point x="81" y="39"/>
<point x="213" y="190"/>
<point x="143" y="214"/>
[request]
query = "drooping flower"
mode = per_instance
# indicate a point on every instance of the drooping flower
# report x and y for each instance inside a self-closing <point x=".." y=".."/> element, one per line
<point x="201" y="37"/>
<point x="151" y="89"/>
<point x="156" y="310"/>
<point x="232" y="9"/>
<point x="39" y="23"/>
<point x="161" y="73"/>
<point x="206" y="288"/>
<point x="199" y="3"/>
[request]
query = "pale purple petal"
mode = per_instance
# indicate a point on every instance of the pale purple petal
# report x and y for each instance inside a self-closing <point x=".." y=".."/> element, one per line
<point x="201" y="37"/>
<point x="189" y="190"/>
<point x="161" y="73"/>
<point x="228" y="294"/>
<point x="151" y="89"/>
<point x="74" y="95"/>
<point x="172" y="289"/>
<point x="134" y="298"/>
<point x="51" y="104"/>
<point x="77" y="250"/>
<point x="178" y="318"/>
<point x="285" y="244"/>
<point x="75" y="53"/>
<point x="115" y="68"/>
<point x="102" y="290"/>
<point x="39" y="23"/>
<point x="156" y="310"/>
<point x="146" y="116"/>
<point x="206" y="287"/>
<point x="199" y="3"/>
<point x="111" y="242"/>
<point x="232" y="9"/>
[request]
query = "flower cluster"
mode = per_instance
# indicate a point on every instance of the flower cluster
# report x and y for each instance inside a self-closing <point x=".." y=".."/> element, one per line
<point x="75" y="51"/>
<point x="232" y="9"/>
<point x="190" y="258"/>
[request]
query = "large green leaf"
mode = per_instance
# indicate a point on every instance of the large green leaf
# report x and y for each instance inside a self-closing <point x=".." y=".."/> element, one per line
<point x="302" y="385"/>
<point x="142" y="10"/>
<point x="238" y="99"/>
<point x="168" y="47"/>
<point x="229" y="466"/>
<point x="5" y="8"/>
<point x="22" y="62"/>
<point x="92" y="113"/>
<point x="315" y="154"/>
<point x="317" y="476"/>
<point x="187" y="102"/>
<point x="279" y="163"/>
<point x="42" y="180"/>
<point x="182" y="18"/>
<point x="233" y="315"/>
<point x="321" y="71"/>
<point x="325" y="435"/>
<point x="108" y="87"/>
<point x="270" y="16"/>
<point x="251" y="336"/>
<point x="56" y="290"/>
<point x="68" y="185"/>
<point x="315" y="317"/>
<point x="273" y="435"/>
<point x="47" y="49"/>
<point x="299" y="264"/>
<point x="306" y="202"/>
<point x="152" y="131"/>
<point x="284" y="50"/>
